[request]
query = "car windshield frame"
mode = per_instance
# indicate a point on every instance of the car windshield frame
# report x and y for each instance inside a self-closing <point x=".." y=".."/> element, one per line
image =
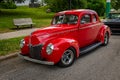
<point x="65" y="19"/>
<point x="114" y="16"/>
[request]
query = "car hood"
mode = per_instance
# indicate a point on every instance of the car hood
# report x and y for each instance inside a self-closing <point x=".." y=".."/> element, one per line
<point x="45" y="34"/>
<point x="52" y="29"/>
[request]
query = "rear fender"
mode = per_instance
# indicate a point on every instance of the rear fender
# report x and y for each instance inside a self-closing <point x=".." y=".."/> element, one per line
<point x="102" y="32"/>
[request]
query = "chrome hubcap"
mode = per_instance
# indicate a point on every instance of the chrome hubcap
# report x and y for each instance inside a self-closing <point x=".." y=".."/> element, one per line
<point x="106" y="39"/>
<point x="67" y="57"/>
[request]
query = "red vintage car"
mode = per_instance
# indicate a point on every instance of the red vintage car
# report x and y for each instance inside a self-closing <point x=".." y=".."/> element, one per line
<point x="71" y="34"/>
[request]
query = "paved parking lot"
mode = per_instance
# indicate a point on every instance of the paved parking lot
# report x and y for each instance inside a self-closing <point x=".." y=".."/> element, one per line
<point x="100" y="64"/>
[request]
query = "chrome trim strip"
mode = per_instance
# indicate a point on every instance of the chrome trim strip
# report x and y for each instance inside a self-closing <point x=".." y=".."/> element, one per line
<point x="90" y="26"/>
<point x="36" y="61"/>
<point x="69" y="30"/>
<point x="86" y="27"/>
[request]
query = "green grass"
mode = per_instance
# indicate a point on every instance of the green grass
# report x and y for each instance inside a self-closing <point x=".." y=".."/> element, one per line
<point x="9" y="46"/>
<point x="38" y="15"/>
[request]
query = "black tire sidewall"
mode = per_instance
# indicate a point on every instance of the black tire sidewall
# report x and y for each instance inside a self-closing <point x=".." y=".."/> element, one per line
<point x="106" y="35"/>
<point x="61" y="64"/>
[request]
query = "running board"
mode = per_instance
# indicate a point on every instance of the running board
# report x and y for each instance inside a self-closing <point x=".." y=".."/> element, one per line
<point x="89" y="48"/>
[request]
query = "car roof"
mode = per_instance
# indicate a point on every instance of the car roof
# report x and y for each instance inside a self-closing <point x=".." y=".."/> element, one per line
<point x="77" y="11"/>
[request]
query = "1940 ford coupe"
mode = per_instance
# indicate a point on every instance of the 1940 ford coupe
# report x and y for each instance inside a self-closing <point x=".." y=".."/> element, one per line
<point x="71" y="34"/>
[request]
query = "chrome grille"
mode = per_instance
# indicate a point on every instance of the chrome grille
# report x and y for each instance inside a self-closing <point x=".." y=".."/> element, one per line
<point x="35" y="51"/>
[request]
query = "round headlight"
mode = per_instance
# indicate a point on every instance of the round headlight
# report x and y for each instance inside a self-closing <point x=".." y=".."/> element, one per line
<point x="22" y="43"/>
<point x="49" y="48"/>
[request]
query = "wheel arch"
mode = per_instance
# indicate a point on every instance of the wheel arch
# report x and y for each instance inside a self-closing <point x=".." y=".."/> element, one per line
<point x="66" y="43"/>
<point x="74" y="50"/>
<point x="60" y="45"/>
<point x="104" y="29"/>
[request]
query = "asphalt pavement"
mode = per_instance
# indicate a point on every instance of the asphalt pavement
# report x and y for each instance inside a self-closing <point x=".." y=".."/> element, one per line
<point x="101" y="64"/>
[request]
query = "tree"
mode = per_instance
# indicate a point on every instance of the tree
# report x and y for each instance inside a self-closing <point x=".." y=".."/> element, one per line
<point x="97" y="5"/>
<point x="19" y="1"/>
<point x="1" y="1"/>
<point x="78" y="4"/>
<point x="60" y="5"/>
<point x="115" y="4"/>
<point x="32" y="1"/>
<point x="7" y="4"/>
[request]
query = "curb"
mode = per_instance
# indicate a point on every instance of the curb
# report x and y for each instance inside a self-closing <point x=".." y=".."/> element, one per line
<point x="9" y="56"/>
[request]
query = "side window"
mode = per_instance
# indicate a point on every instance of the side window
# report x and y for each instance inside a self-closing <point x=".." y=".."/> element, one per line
<point x="94" y="19"/>
<point x="85" y="19"/>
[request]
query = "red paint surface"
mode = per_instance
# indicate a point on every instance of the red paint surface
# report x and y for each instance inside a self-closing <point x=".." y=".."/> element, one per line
<point x="64" y="36"/>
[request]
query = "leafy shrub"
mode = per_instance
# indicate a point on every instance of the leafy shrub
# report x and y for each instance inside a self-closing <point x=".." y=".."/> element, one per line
<point x="61" y="5"/>
<point x="8" y="5"/>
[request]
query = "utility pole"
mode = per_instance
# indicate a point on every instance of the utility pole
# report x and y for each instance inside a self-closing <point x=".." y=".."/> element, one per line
<point x="107" y="8"/>
<point x="69" y="4"/>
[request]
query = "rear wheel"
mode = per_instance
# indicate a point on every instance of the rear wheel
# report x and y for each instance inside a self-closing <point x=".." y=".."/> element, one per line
<point x="67" y="58"/>
<point x="106" y="39"/>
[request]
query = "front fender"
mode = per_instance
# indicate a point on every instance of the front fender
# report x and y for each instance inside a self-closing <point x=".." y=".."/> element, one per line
<point x="60" y="45"/>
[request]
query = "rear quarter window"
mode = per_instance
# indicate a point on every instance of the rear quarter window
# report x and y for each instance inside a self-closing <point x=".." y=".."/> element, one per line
<point x="85" y="19"/>
<point x="94" y="18"/>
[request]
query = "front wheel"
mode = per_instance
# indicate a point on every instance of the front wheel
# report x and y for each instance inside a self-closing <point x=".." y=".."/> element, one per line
<point x="67" y="58"/>
<point x="106" y="39"/>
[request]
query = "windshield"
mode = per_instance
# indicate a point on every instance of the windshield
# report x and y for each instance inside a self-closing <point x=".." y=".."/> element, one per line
<point x="65" y="19"/>
<point x="114" y="16"/>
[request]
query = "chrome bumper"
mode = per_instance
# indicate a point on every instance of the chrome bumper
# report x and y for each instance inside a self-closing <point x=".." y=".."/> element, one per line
<point x="35" y="60"/>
